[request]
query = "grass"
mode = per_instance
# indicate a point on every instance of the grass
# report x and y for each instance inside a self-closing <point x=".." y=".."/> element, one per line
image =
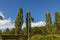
<point x="47" y="37"/>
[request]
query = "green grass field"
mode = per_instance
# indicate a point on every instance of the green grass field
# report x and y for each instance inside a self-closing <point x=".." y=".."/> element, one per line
<point x="47" y="37"/>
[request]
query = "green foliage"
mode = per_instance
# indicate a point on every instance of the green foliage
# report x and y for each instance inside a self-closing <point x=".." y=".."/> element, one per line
<point x="12" y="31"/>
<point x="57" y="20"/>
<point x="48" y="19"/>
<point x="36" y="33"/>
<point x="19" y="21"/>
<point x="28" y="24"/>
<point x="28" y="21"/>
<point x="24" y="31"/>
<point x="36" y="30"/>
<point x="45" y="30"/>
<point x="7" y="31"/>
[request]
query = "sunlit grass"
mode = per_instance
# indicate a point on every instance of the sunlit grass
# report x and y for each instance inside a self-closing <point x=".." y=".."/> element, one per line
<point x="46" y="37"/>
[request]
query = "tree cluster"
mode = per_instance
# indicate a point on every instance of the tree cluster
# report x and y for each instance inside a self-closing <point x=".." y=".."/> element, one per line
<point x="50" y="27"/>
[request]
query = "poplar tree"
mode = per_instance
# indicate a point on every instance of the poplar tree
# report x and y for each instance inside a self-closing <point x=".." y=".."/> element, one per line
<point x="48" y="18"/>
<point x="28" y="21"/>
<point x="57" y="19"/>
<point x="19" y="21"/>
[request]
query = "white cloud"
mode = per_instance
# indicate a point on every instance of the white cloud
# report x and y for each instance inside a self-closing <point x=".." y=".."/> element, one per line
<point x="24" y="25"/>
<point x="35" y="24"/>
<point x="9" y="24"/>
<point x="1" y="14"/>
<point x="39" y="24"/>
<point x="3" y="22"/>
<point x="6" y="24"/>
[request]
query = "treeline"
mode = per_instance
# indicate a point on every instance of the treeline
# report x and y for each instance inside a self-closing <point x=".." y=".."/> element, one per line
<point x="49" y="28"/>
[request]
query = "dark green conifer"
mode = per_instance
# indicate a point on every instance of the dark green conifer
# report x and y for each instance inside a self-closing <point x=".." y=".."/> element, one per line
<point x="19" y="21"/>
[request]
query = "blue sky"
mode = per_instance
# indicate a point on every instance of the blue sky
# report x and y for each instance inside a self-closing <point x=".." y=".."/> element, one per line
<point x="38" y="8"/>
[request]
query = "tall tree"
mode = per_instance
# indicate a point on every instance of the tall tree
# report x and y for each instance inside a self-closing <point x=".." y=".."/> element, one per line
<point x="29" y="19"/>
<point x="48" y="18"/>
<point x="19" y="21"/>
<point x="57" y="19"/>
